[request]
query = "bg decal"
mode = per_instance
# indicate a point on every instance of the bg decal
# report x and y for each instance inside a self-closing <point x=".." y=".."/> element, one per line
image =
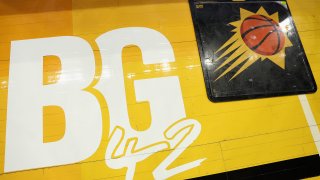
<point x="170" y="128"/>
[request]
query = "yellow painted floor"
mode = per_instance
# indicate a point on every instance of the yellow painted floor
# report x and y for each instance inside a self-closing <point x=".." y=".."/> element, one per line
<point x="234" y="135"/>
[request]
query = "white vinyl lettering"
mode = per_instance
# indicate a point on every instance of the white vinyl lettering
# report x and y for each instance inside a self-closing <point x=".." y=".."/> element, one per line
<point x="168" y="129"/>
<point x="27" y="96"/>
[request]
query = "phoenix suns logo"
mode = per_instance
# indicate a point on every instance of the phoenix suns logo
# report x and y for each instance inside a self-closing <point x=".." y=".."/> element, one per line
<point x="257" y="36"/>
<point x="250" y="49"/>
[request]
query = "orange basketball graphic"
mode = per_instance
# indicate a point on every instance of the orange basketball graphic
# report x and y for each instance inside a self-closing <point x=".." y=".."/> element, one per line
<point x="263" y="35"/>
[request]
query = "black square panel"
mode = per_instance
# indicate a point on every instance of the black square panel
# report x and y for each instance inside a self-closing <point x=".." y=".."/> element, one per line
<point x="250" y="49"/>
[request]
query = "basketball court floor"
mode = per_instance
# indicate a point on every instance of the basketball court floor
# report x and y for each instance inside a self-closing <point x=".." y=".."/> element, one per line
<point x="136" y="79"/>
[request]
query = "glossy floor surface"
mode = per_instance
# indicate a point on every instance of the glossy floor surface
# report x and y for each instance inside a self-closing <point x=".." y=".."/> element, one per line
<point x="234" y="135"/>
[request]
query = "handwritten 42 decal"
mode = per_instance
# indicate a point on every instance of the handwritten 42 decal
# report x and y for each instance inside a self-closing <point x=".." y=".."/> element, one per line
<point x="170" y="129"/>
<point x="250" y="49"/>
